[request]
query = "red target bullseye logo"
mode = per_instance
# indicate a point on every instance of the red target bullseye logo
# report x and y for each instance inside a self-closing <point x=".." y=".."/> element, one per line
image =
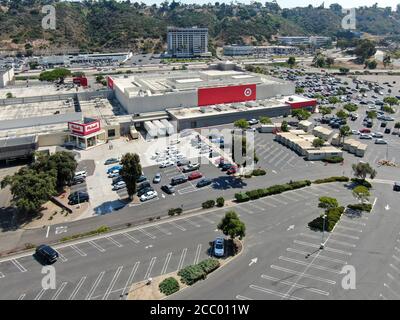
<point x="248" y="92"/>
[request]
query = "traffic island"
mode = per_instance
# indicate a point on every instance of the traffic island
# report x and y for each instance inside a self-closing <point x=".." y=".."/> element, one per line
<point x="166" y="285"/>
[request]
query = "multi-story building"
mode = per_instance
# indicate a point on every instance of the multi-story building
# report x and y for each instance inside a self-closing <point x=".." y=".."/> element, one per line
<point x="6" y="76"/>
<point x="187" y="42"/>
<point x="237" y="50"/>
<point x="317" y="41"/>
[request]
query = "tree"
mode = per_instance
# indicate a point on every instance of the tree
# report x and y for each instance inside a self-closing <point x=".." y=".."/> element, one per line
<point x="362" y="169"/>
<point x="291" y="62"/>
<point x="241" y="123"/>
<point x="361" y="193"/>
<point x="131" y="171"/>
<point x="387" y="60"/>
<point x="344" y="131"/>
<point x="56" y="74"/>
<point x="299" y="90"/>
<point x="325" y="110"/>
<point x="350" y="107"/>
<point x="9" y="95"/>
<point x="231" y="226"/>
<point x="364" y="50"/>
<point x="372" y="115"/>
<point x="284" y="126"/>
<point x="328" y="203"/>
<point x="318" y="142"/>
<point x="343" y="70"/>
<point x="371" y="64"/>
<point x="397" y="126"/>
<point x="61" y="165"/>
<point x="301" y="114"/>
<point x="391" y="101"/>
<point x="342" y="114"/>
<point x="30" y="189"/>
<point x="329" y="62"/>
<point x="265" y="120"/>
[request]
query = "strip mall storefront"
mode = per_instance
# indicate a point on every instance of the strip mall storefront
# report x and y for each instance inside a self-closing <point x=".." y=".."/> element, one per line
<point x="86" y="135"/>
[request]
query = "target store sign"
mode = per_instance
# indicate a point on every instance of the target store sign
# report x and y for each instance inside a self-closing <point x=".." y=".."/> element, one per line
<point x="84" y="129"/>
<point x="230" y="94"/>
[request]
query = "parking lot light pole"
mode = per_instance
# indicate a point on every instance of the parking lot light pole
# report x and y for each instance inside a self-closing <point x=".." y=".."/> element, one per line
<point x="322" y="246"/>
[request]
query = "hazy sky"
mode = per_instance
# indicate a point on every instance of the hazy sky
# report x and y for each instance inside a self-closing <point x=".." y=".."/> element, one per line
<point x="300" y="3"/>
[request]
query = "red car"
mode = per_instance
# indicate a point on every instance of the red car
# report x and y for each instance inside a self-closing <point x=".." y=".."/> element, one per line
<point x="194" y="175"/>
<point x="231" y="170"/>
<point x="365" y="130"/>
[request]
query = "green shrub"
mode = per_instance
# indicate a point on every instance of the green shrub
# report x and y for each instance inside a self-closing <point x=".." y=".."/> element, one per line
<point x="333" y="216"/>
<point x="253" y="194"/>
<point x="259" y="172"/>
<point x="191" y="274"/>
<point x="209" y="265"/>
<point x="367" y="207"/>
<point x="334" y="159"/>
<point x="220" y="202"/>
<point x="174" y="211"/>
<point x="331" y="179"/>
<point x="169" y="286"/>
<point x="299" y="184"/>
<point x="361" y="182"/>
<point x="241" y="197"/>
<point x="208" y="204"/>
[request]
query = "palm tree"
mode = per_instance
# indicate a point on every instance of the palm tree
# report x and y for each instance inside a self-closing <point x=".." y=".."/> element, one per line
<point x="344" y="132"/>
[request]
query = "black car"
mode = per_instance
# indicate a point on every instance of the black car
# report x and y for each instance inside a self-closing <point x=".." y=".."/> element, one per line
<point x="191" y="167"/>
<point x="84" y="197"/>
<point x="203" y="183"/>
<point x="78" y="180"/>
<point x="76" y="193"/>
<point x="383" y="124"/>
<point x="46" y="253"/>
<point x="183" y="162"/>
<point x="143" y="185"/>
<point x="141" y="179"/>
<point x="178" y="180"/>
<point x="226" y="166"/>
<point x="168" y="189"/>
<point x="387" y="130"/>
<point x="396" y="186"/>
<point x="116" y="180"/>
<point x="144" y="191"/>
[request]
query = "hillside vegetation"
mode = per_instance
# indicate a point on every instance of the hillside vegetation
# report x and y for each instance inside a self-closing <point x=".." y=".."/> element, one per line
<point x="108" y="24"/>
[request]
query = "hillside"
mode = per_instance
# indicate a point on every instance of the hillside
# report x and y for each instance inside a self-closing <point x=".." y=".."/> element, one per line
<point x="110" y="25"/>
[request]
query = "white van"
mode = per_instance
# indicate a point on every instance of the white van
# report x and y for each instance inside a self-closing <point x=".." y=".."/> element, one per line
<point x="80" y="174"/>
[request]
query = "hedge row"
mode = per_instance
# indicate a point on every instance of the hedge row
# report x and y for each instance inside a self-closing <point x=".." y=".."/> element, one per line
<point x="367" y="207"/>
<point x="361" y="182"/>
<point x="333" y="216"/>
<point x="99" y="230"/>
<point x="332" y="179"/>
<point x="259" y="172"/>
<point x="194" y="273"/>
<point x="208" y="204"/>
<point x="174" y="211"/>
<point x="276" y="189"/>
<point x="334" y="159"/>
<point x="169" y="286"/>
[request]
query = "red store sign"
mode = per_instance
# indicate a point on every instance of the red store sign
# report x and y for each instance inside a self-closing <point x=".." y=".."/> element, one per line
<point x="84" y="129"/>
<point x="230" y="94"/>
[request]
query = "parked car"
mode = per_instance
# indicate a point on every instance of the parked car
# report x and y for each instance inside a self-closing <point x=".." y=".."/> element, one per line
<point x="166" y="164"/>
<point x="226" y="166"/>
<point x="191" y="167"/>
<point x="195" y="175"/>
<point x="396" y="186"/>
<point x="119" y="185"/>
<point x="82" y="173"/>
<point x="76" y="193"/>
<point x="113" y="174"/>
<point x="203" y="183"/>
<point x="219" y="247"/>
<point x="157" y="178"/>
<point x="143" y="191"/>
<point x="113" y="168"/>
<point x="46" y="254"/>
<point x="144" y="184"/>
<point x="231" y="170"/>
<point x="380" y="141"/>
<point x="77" y="180"/>
<point x="383" y="124"/>
<point x="149" y="195"/>
<point x="141" y="178"/>
<point x="183" y="162"/>
<point x="168" y="189"/>
<point x="377" y="135"/>
<point x="178" y="180"/>
<point x="79" y="199"/>
<point x="365" y="136"/>
<point x="253" y="121"/>
<point x="111" y="161"/>
<point x="365" y="130"/>
<point x="387" y="130"/>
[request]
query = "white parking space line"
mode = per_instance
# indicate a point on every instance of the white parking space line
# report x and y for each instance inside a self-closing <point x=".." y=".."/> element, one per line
<point x="297" y="193"/>
<point x="147" y="233"/>
<point x="308" y="264"/>
<point x="192" y="223"/>
<point x="267" y="203"/>
<point x="18" y="265"/>
<point x="321" y="257"/>
<point x="95" y="285"/>
<point x="150" y="268"/>
<point x="197" y="255"/>
<point x="393" y="279"/>
<point x="276" y="156"/>
<point x="339" y="225"/>
<point x="131" y="237"/>
<point x="182" y="259"/>
<point x="257" y="207"/>
<point x="77" y="288"/>
<point x="59" y="290"/>
<point x="396" y="258"/>
<point x="177" y="226"/>
<point x="22" y="296"/>
<point x="130" y="278"/>
<point x="299" y="286"/>
<point x="290" y="198"/>
<point x="329" y="188"/>
<point x="162" y="230"/>
<point x="239" y="297"/>
<point x="247" y="210"/>
<point x="345" y="235"/>
<point x="97" y="246"/>
<point x="187" y="190"/>
<point x="40" y="294"/>
<point x="353" y="222"/>
<point x="62" y="257"/>
<point x="166" y="262"/>
<point x="112" y="283"/>
<point x="330" y="240"/>
<point x="281" y="159"/>
<point x="309" y="192"/>
<point x="203" y="217"/>
<point x="325" y="248"/>
<point x="395" y="268"/>
<point x="303" y="275"/>
<point x="277" y="200"/>
<point x="275" y="293"/>
<point x="80" y="252"/>
<point x="392" y="291"/>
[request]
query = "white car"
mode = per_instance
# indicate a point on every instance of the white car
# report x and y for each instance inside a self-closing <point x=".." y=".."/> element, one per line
<point x="380" y="141"/>
<point x="119" y="185"/>
<point x="166" y="164"/>
<point x="356" y="132"/>
<point x="253" y="121"/>
<point x="113" y="174"/>
<point x="365" y="136"/>
<point x="148" y="195"/>
<point x="377" y="135"/>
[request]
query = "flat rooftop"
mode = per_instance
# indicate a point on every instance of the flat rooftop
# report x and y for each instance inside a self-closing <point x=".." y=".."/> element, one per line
<point x="37" y="109"/>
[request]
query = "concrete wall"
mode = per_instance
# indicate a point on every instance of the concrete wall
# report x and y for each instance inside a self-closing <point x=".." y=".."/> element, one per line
<point x="52" y="139"/>
<point x="265" y="91"/>
<point x="6" y="77"/>
<point x="219" y="119"/>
